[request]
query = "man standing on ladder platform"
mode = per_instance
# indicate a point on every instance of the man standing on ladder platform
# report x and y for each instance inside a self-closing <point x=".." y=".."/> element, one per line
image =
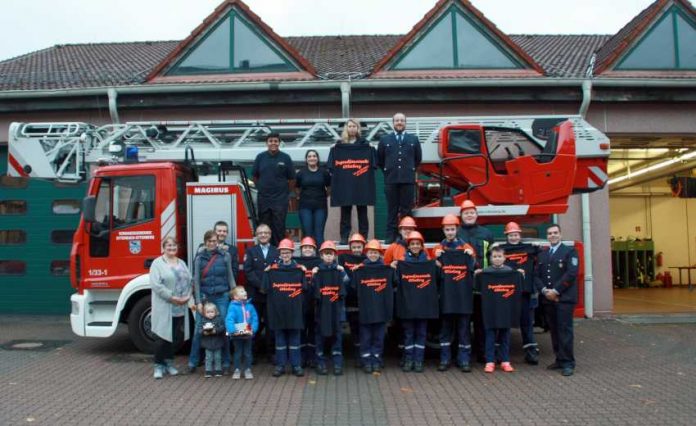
<point x="398" y="155"/>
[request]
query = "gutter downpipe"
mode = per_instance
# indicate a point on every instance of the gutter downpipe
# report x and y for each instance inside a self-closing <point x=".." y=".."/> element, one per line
<point x="585" y="198"/>
<point x="113" y="105"/>
<point x="345" y="99"/>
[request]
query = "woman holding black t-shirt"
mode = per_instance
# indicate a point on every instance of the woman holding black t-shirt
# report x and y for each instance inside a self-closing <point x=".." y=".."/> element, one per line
<point x="312" y="185"/>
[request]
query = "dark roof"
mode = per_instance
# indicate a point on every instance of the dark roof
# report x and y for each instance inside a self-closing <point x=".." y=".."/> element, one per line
<point x="83" y="65"/>
<point x="561" y="55"/>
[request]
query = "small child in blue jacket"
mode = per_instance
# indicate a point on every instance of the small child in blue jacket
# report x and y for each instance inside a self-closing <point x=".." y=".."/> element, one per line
<point x="242" y="323"/>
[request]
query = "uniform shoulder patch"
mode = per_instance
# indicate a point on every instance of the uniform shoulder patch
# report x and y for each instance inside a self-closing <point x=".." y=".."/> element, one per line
<point x="574" y="261"/>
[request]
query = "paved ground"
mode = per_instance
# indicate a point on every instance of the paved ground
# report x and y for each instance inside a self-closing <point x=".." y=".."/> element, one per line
<point x="627" y="374"/>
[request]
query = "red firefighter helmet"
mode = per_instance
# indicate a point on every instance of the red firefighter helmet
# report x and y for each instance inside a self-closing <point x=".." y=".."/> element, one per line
<point x="286" y="244"/>
<point x="373" y="245"/>
<point x="512" y="227"/>
<point x="467" y="204"/>
<point x="415" y="235"/>
<point x="450" y="219"/>
<point x="407" y="222"/>
<point x="357" y="238"/>
<point x="308" y="241"/>
<point x="327" y="245"/>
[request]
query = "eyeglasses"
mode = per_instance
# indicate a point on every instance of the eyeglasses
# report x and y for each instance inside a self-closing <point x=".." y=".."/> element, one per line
<point x="212" y="241"/>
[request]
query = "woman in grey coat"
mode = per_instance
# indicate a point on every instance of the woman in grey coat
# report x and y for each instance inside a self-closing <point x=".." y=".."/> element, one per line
<point x="171" y="297"/>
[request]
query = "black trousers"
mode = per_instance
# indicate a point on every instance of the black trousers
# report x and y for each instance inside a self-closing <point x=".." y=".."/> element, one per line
<point x="478" y="341"/>
<point x="400" y="200"/>
<point x="346" y="216"/>
<point x="273" y="216"/>
<point x="559" y="317"/>
<point x="164" y="350"/>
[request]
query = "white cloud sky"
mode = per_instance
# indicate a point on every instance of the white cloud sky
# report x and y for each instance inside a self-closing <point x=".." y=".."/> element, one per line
<point x="28" y="25"/>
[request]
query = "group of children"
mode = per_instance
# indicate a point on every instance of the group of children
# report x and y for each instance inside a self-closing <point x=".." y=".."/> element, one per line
<point x="309" y="298"/>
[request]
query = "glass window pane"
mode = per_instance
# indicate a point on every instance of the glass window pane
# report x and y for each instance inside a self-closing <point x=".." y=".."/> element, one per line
<point x="60" y="267"/>
<point x="134" y="200"/>
<point x="62" y="236"/>
<point x="655" y="50"/>
<point x="211" y="55"/>
<point x="464" y="141"/>
<point x="13" y="182"/>
<point x="12" y="236"/>
<point x="66" y="207"/>
<point x="687" y="43"/>
<point x="8" y="207"/>
<point x="251" y="53"/>
<point x="434" y="50"/>
<point x="475" y="50"/>
<point x="12" y="267"/>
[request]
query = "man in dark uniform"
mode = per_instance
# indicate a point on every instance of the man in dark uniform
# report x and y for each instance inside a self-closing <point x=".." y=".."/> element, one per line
<point x="398" y="155"/>
<point x="557" y="272"/>
<point x="274" y="176"/>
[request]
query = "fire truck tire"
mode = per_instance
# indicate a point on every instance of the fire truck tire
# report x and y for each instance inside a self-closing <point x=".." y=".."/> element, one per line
<point x="139" y="326"/>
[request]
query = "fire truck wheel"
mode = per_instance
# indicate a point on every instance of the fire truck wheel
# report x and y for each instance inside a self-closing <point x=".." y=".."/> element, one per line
<point x="139" y="326"/>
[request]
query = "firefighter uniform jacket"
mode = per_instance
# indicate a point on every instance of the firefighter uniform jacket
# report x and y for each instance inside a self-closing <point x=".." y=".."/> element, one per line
<point x="374" y="283"/>
<point x="457" y="283"/>
<point x="416" y="293"/>
<point x="254" y="265"/>
<point x="479" y="237"/>
<point x="399" y="160"/>
<point x="500" y="296"/>
<point x="523" y="256"/>
<point x="329" y="289"/>
<point x="559" y="272"/>
<point x="284" y="285"/>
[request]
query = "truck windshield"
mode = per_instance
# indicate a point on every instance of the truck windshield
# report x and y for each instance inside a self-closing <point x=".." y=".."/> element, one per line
<point x="134" y="200"/>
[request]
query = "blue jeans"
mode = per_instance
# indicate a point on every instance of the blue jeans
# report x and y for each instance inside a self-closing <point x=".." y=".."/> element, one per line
<point x="313" y="222"/>
<point x="500" y="336"/>
<point x="336" y="348"/>
<point x="242" y="348"/>
<point x="222" y="302"/>
<point x="287" y="342"/>
<point x="414" y="339"/>
<point x="213" y="359"/>
<point x="462" y="324"/>
<point x="372" y="343"/>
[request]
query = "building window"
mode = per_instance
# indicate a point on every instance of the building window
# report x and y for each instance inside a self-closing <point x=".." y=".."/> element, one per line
<point x="12" y="267"/>
<point x="12" y="182"/>
<point x="455" y="41"/>
<point x="60" y="267"/>
<point x="12" y="236"/>
<point x="66" y="207"/>
<point x="62" y="236"/>
<point x="233" y="45"/>
<point x="9" y="207"/>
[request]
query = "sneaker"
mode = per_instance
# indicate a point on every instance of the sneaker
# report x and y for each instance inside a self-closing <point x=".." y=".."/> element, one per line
<point x="376" y="369"/>
<point x="191" y="369"/>
<point x="208" y="374"/>
<point x="418" y="367"/>
<point x="490" y="367"/>
<point x="531" y="357"/>
<point x="338" y="371"/>
<point x="507" y="367"/>
<point x="408" y="366"/>
<point x="226" y="371"/>
<point x="159" y="372"/>
<point x="321" y="370"/>
<point x="465" y="367"/>
<point x="247" y="374"/>
<point x="218" y="373"/>
<point x="237" y="374"/>
<point x="170" y="368"/>
<point x="444" y="366"/>
<point x="368" y="369"/>
<point x="298" y="371"/>
<point x="279" y="371"/>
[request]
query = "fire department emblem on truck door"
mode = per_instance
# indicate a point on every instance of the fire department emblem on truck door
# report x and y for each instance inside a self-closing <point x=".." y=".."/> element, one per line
<point x="135" y="246"/>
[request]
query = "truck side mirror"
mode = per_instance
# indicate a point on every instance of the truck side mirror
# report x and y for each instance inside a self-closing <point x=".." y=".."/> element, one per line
<point x="89" y="204"/>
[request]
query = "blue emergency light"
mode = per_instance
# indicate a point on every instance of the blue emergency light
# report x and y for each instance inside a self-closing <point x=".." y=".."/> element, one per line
<point x="131" y="154"/>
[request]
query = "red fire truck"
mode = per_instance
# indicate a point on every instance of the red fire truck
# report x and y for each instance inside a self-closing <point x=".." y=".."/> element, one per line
<point x="149" y="180"/>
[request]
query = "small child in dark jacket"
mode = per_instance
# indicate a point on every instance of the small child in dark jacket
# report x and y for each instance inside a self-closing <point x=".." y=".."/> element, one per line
<point x="242" y="323"/>
<point x="500" y="288"/>
<point x="212" y="329"/>
<point x="329" y="284"/>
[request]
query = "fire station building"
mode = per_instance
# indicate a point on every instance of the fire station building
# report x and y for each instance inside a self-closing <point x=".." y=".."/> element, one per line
<point x="638" y="86"/>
